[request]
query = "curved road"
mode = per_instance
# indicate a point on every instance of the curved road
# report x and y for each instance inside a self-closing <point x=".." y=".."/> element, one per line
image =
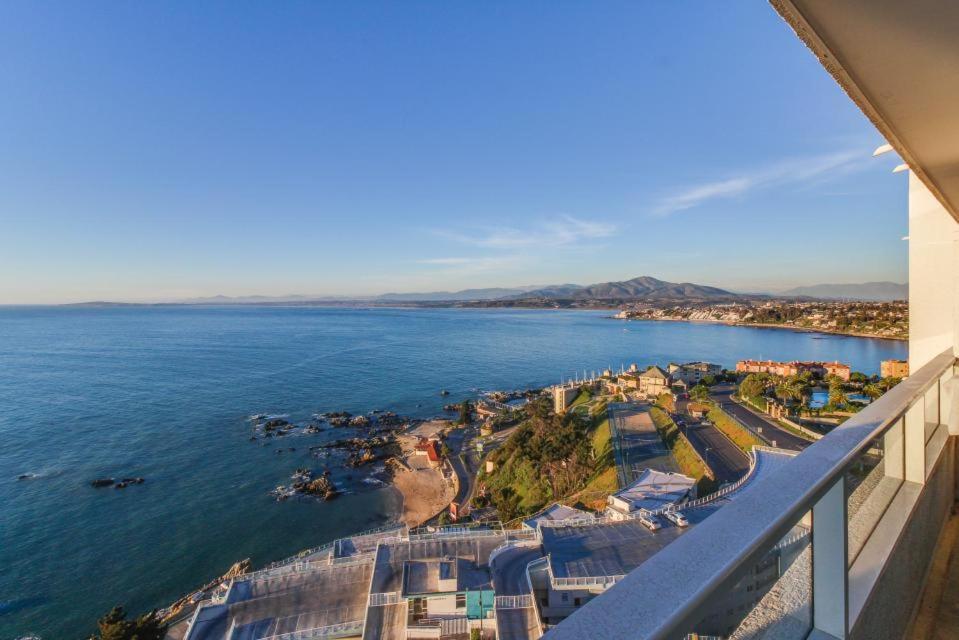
<point x="509" y="579"/>
<point x="509" y="570"/>
<point x="765" y="428"/>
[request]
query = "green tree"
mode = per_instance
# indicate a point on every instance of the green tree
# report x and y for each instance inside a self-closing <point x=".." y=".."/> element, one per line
<point x="115" y="626"/>
<point x="796" y="388"/>
<point x="466" y="412"/>
<point x="755" y="384"/>
<point x="699" y="393"/>
<point x="837" y="392"/>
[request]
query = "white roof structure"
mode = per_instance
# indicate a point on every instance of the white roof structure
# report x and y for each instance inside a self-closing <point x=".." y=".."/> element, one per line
<point x="652" y="490"/>
<point x="557" y="512"/>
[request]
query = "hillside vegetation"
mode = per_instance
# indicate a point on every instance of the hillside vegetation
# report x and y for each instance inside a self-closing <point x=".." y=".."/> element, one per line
<point x="548" y="458"/>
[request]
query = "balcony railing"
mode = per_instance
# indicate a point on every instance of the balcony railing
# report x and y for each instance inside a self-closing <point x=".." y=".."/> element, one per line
<point x="812" y="546"/>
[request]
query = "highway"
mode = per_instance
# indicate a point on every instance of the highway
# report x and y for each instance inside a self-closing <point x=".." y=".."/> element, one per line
<point x="764" y="427"/>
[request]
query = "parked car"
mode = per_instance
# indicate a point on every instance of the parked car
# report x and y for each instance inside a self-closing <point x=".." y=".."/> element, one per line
<point x="677" y="518"/>
<point x="650" y="521"/>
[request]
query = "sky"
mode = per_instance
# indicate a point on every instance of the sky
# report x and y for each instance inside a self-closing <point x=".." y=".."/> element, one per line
<point x="160" y="151"/>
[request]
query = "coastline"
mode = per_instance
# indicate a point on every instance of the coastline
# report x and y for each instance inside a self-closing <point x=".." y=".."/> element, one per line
<point x="423" y="487"/>
<point x="760" y="325"/>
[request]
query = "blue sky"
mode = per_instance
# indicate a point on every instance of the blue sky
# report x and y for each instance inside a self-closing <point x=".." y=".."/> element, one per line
<point x="168" y="150"/>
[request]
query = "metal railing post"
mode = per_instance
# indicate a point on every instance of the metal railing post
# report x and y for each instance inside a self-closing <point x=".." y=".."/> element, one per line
<point x="830" y="592"/>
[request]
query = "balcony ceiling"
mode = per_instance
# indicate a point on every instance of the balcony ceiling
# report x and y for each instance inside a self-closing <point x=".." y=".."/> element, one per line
<point x="899" y="61"/>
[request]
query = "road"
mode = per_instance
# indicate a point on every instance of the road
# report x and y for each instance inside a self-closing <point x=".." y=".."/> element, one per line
<point x="509" y="579"/>
<point x="764" y="427"/>
<point x="636" y="442"/>
<point x="458" y="441"/>
<point x="509" y="570"/>
<point x="727" y="461"/>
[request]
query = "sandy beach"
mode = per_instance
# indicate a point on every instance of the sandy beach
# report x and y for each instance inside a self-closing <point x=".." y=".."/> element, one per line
<point x="424" y="488"/>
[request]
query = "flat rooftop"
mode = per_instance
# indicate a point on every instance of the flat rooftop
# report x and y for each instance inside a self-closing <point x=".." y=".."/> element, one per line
<point x="611" y="549"/>
<point x="655" y="489"/>
<point x="421" y="577"/>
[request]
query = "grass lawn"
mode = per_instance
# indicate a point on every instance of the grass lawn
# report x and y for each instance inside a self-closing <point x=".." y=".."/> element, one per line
<point x="741" y="437"/>
<point x="602" y="438"/>
<point x="758" y="402"/>
<point x="793" y="430"/>
<point x="605" y="481"/>
<point x="583" y="397"/>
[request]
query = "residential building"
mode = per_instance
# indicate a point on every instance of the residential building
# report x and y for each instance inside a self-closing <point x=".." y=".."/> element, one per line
<point x="653" y="382"/>
<point x="837" y="369"/>
<point x="428" y="448"/>
<point x="795" y="367"/>
<point x="692" y="373"/>
<point x="563" y="396"/>
<point x="894" y="369"/>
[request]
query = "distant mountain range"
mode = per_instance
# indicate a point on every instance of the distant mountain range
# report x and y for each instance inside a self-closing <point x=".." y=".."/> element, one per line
<point x="868" y="291"/>
<point x="641" y="289"/>
<point x="644" y="288"/>
<point x="492" y="293"/>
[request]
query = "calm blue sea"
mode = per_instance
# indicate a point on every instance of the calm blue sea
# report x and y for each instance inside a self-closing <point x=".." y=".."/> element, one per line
<point x="165" y="392"/>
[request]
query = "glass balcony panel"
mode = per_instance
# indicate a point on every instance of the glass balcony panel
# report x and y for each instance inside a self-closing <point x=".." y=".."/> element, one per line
<point x="773" y="598"/>
<point x="871" y="483"/>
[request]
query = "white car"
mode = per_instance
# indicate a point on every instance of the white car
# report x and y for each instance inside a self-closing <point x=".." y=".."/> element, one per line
<point x="650" y="522"/>
<point x="677" y="518"/>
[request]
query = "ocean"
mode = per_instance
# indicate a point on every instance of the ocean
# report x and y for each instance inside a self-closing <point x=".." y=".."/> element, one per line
<point x="166" y="392"/>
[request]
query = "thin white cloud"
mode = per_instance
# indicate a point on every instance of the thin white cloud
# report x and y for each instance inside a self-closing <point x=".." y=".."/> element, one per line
<point x="467" y="265"/>
<point x="446" y="261"/>
<point x="562" y="231"/>
<point x="786" y="172"/>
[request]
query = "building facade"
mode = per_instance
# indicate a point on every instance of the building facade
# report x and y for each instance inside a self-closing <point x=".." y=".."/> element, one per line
<point x="795" y="367"/>
<point x="894" y="369"/>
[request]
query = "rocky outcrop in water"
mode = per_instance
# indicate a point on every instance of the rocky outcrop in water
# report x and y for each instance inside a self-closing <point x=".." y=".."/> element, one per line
<point x="306" y="483"/>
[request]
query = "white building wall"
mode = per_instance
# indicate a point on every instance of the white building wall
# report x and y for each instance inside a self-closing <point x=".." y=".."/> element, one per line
<point x="933" y="299"/>
<point x="443" y="606"/>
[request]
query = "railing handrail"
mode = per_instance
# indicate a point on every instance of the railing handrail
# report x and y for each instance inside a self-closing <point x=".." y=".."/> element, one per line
<point x="677" y="584"/>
